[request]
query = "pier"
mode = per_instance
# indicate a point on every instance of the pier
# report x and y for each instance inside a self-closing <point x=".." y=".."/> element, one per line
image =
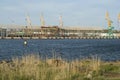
<point x="54" y="32"/>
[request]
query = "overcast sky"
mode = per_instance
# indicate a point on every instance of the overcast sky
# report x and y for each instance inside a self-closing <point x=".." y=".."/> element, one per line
<point x="74" y="12"/>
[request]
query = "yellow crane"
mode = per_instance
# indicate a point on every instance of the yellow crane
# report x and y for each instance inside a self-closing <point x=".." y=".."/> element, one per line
<point x="110" y="28"/>
<point x="118" y="19"/>
<point x="61" y="22"/>
<point x="60" y="25"/>
<point x="108" y="19"/>
<point x="42" y="20"/>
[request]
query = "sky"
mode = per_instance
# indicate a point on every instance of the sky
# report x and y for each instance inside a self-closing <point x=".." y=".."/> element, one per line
<point x="73" y="12"/>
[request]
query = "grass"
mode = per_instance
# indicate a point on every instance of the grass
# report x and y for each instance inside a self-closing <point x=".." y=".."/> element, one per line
<point x="32" y="67"/>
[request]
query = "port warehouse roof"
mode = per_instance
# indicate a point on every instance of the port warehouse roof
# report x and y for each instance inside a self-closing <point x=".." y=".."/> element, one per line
<point x="9" y="26"/>
<point x="83" y="28"/>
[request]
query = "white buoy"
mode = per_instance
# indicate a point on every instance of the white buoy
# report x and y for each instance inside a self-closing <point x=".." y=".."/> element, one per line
<point x="25" y="42"/>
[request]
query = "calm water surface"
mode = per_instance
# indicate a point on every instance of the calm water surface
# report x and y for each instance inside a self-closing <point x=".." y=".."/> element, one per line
<point x="108" y="50"/>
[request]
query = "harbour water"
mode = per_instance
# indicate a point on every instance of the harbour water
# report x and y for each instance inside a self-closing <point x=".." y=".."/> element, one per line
<point x="106" y="49"/>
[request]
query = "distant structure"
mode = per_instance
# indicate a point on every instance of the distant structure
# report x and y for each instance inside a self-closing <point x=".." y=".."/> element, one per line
<point x="61" y="22"/>
<point x="28" y="29"/>
<point x="42" y="20"/>
<point x="60" y="26"/>
<point x="60" y="32"/>
<point x="110" y="27"/>
<point x="3" y="32"/>
<point x="119" y="20"/>
<point x="29" y="23"/>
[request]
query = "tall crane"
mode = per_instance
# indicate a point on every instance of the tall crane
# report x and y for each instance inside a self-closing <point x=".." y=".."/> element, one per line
<point x="29" y="26"/>
<point x="110" y="27"/>
<point x="119" y="20"/>
<point x="60" y="26"/>
<point x="42" y="20"/>
<point x="60" y="21"/>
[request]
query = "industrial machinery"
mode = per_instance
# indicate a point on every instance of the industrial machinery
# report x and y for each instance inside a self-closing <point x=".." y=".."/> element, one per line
<point x="42" y="20"/>
<point x="119" y="21"/>
<point x="61" y="22"/>
<point x="28" y="29"/>
<point x="110" y="27"/>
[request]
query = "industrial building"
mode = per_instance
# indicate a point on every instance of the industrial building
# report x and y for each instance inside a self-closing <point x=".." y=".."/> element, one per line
<point x="3" y="32"/>
<point x="60" y="32"/>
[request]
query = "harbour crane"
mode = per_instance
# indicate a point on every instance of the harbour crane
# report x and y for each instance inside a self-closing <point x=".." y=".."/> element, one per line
<point x="119" y="20"/>
<point x="28" y="30"/>
<point x="42" y="20"/>
<point x="29" y="26"/>
<point x="110" y="27"/>
<point x="61" y="22"/>
<point x="60" y="26"/>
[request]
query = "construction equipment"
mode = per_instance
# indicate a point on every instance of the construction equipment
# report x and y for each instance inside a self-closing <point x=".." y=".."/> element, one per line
<point x="119" y="20"/>
<point x="110" y="27"/>
<point x="60" y="26"/>
<point x="28" y="29"/>
<point x="61" y="22"/>
<point x="29" y="25"/>
<point x="42" y="20"/>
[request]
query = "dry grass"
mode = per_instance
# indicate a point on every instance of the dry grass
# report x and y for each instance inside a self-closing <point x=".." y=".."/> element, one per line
<point x="31" y="67"/>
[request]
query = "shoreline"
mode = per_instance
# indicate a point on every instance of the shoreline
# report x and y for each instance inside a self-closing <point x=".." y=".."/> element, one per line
<point x="52" y="38"/>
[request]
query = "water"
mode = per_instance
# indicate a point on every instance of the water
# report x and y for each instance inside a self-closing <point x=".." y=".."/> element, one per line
<point x="108" y="50"/>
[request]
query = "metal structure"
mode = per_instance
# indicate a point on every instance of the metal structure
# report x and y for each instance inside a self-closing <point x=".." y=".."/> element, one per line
<point x="53" y="32"/>
<point x="110" y="27"/>
<point x="42" y="20"/>
<point x="119" y="20"/>
<point x="60" y="32"/>
<point x="61" y="22"/>
<point x="60" y="26"/>
<point x="28" y="29"/>
<point x="3" y="32"/>
<point x="29" y="25"/>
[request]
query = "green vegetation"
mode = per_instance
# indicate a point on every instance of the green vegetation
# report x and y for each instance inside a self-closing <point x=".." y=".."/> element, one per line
<point x="31" y="67"/>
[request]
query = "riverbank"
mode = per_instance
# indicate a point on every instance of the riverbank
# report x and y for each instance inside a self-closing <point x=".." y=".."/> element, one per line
<point x="32" y="67"/>
<point x="67" y="37"/>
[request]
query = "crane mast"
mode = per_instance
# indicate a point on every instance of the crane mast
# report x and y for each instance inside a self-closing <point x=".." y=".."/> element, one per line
<point x="60" y="26"/>
<point x="110" y="27"/>
<point x="28" y="27"/>
<point x="42" y="20"/>
<point x="119" y="20"/>
<point x="61" y="22"/>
